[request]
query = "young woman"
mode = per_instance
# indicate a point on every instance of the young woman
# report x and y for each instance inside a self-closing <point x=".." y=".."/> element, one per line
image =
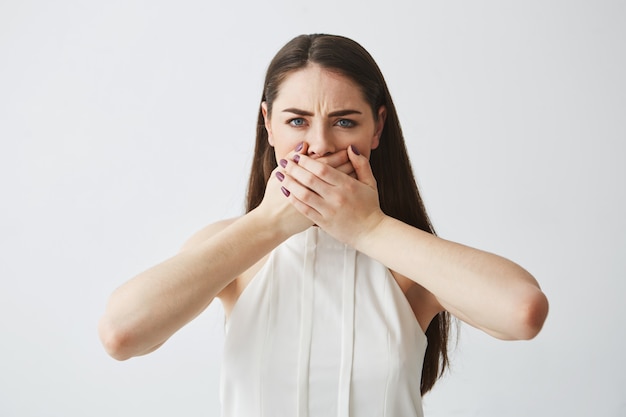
<point x="336" y="290"/>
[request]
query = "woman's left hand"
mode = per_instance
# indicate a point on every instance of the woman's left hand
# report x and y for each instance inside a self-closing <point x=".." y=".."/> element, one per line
<point x="343" y="206"/>
<point x="459" y="278"/>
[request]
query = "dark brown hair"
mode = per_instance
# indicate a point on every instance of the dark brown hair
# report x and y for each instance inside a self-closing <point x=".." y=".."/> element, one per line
<point x="397" y="189"/>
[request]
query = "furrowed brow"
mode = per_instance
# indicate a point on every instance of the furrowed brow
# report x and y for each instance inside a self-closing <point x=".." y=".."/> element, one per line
<point x="346" y="112"/>
<point x="337" y="113"/>
<point x="299" y="112"/>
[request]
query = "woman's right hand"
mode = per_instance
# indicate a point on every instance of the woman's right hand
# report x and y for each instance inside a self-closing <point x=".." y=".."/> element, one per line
<point x="277" y="209"/>
<point x="279" y="213"/>
<point x="149" y="308"/>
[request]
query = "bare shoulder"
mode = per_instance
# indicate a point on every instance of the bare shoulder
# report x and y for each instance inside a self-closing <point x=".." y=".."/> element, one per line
<point x="206" y="233"/>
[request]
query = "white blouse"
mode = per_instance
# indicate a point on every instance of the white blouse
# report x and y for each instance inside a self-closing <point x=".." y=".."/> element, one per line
<point x="322" y="330"/>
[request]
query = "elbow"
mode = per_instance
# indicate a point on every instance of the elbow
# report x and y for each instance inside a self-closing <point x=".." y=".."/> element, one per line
<point x="532" y="312"/>
<point x="114" y="340"/>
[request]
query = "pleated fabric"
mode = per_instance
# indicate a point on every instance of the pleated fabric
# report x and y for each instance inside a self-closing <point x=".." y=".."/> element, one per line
<point x="322" y="330"/>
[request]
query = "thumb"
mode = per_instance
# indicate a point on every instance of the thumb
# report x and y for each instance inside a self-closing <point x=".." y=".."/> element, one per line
<point x="361" y="166"/>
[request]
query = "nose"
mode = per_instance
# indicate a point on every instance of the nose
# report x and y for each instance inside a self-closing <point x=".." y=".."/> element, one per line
<point x="320" y="142"/>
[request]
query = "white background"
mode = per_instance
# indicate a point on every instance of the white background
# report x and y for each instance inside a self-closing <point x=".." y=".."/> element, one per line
<point x="127" y="125"/>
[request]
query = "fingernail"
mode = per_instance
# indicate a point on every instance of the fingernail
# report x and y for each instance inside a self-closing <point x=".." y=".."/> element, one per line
<point x="355" y="150"/>
<point x="296" y="158"/>
<point x="285" y="191"/>
<point x="283" y="163"/>
<point x="299" y="147"/>
<point x="280" y="176"/>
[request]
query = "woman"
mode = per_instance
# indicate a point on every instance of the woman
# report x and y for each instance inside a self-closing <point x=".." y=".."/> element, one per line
<point x="336" y="290"/>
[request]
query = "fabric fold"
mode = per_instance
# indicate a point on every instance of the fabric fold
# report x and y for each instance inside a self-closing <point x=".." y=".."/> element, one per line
<point x="306" y="322"/>
<point x="347" y="331"/>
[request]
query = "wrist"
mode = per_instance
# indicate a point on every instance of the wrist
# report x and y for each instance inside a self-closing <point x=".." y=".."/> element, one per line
<point x="269" y="223"/>
<point x="371" y="232"/>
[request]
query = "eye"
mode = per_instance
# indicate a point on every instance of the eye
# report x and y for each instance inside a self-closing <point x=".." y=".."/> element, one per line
<point x="296" y="122"/>
<point x="345" y="123"/>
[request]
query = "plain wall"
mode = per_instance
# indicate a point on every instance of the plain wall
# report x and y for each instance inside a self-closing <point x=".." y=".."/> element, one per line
<point x="125" y="126"/>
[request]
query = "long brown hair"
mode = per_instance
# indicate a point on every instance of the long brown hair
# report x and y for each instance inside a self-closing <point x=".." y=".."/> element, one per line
<point x="397" y="189"/>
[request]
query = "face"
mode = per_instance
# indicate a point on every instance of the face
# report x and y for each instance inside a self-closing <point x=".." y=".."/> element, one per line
<point x="324" y="109"/>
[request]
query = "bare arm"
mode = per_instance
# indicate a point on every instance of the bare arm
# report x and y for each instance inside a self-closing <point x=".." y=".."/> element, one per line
<point x="144" y="312"/>
<point x="483" y="289"/>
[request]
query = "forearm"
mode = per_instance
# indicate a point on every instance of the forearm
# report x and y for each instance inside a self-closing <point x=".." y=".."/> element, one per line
<point x="148" y="309"/>
<point x="486" y="290"/>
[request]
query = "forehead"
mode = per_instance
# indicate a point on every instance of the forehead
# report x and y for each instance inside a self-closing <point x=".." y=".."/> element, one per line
<point x="314" y="85"/>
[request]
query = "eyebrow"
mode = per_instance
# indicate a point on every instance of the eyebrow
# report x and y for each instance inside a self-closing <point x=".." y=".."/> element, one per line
<point x="337" y="113"/>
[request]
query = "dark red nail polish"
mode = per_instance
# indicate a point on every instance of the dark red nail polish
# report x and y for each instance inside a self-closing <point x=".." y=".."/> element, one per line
<point x="296" y="158"/>
<point x="285" y="191"/>
<point x="299" y="147"/>
<point x="283" y="163"/>
<point x="280" y="176"/>
<point x="355" y="150"/>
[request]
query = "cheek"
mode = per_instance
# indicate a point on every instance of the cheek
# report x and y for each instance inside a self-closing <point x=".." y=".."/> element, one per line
<point x="284" y="144"/>
<point x="285" y="138"/>
<point x="366" y="141"/>
<point x="280" y="152"/>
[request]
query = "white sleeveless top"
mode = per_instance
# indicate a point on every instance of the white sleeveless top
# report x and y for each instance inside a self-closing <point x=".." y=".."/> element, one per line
<point x="322" y="330"/>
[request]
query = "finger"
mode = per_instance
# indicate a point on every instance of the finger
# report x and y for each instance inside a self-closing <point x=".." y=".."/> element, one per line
<point x="300" y="196"/>
<point x="340" y="161"/>
<point x="336" y="159"/>
<point x="346" y="168"/>
<point x="320" y="170"/>
<point x="306" y="210"/>
<point x="300" y="148"/>
<point x="361" y="166"/>
<point x="308" y="179"/>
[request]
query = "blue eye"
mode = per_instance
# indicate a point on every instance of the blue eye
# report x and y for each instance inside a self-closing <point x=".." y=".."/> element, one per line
<point x="345" y="123"/>
<point x="297" y="122"/>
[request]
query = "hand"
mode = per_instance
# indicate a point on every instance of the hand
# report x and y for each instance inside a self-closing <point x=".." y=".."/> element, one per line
<point x="278" y="212"/>
<point x="342" y="202"/>
<point x="276" y="208"/>
<point x="340" y="161"/>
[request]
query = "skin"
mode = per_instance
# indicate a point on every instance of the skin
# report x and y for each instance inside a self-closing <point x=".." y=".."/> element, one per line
<point x="324" y="182"/>
<point x="324" y="109"/>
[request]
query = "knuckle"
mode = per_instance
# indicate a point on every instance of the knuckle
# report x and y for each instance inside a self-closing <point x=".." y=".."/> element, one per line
<point x="307" y="197"/>
<point x="351" y="187"/>
<point x="323" y="170"/>
<point x="310" y="180"/>
<point x="341" y="199"/>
